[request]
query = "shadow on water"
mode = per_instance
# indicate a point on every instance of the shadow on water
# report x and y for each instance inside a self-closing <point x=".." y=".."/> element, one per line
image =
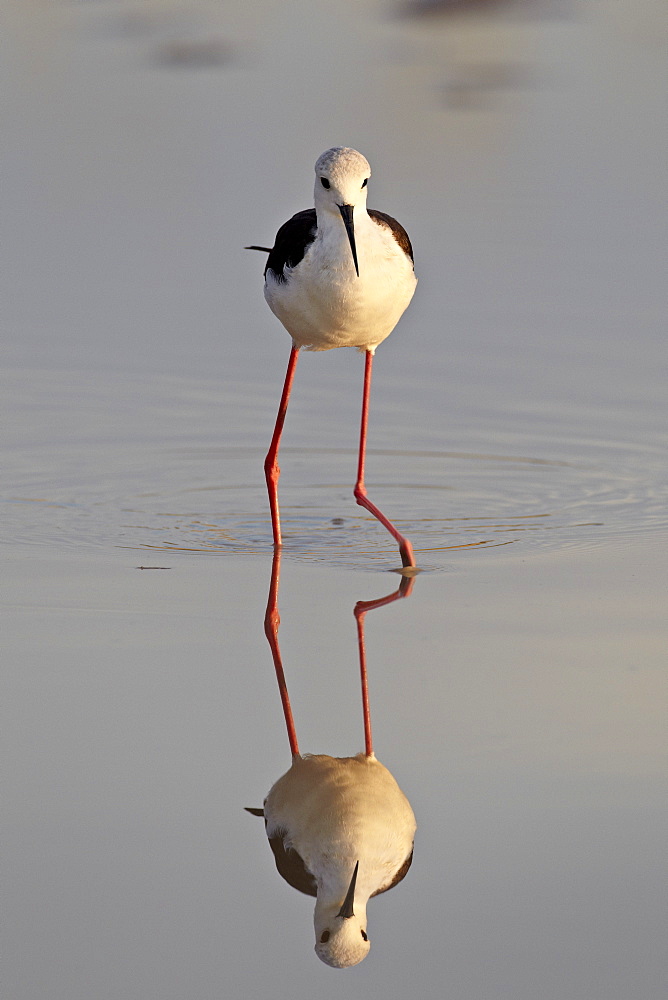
<point x="340" y="828"/>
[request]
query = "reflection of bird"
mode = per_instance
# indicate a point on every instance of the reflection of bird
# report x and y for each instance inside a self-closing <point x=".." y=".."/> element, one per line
<point x="338" y="275"/>
<point x="340" y="828"/>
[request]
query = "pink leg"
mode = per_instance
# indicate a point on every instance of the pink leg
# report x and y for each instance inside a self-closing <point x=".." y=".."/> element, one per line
<point x="405" y="547"/>
<point x="272" y="620"/>
<point x="361" y="608"/>
<point x="271" y="469"/>
<point x="368" y="741"/>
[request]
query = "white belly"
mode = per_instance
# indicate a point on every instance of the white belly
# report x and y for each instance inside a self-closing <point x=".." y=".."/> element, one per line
<point x="324" y="304"/>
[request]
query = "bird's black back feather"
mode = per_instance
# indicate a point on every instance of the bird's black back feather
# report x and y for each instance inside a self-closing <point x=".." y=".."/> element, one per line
<point x="398" y="231"/>
<point x="291" y="242"/>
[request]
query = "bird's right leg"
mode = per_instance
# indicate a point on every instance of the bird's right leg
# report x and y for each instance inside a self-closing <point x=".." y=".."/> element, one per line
<point x="271" y="469"/>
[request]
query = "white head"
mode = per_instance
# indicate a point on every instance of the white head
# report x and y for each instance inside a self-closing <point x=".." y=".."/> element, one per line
<point x="341" y="177"/>
<point x="340" y="930"/>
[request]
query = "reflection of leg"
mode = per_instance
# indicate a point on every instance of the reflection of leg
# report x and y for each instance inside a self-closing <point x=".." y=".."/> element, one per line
<point x="361" y="608"/>
<point x="272" y="620"/>
<point x="271" y="469"/>
<point x="405" y="547"/>
<point x="368" y="741"/>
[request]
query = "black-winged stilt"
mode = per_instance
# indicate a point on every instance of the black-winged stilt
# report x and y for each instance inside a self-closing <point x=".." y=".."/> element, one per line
<point x="338" y="275"/>
<point x="340" y="828"/>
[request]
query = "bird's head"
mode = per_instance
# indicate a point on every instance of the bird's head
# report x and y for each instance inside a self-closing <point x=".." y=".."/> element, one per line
<point x="340" y="930"/>
<point x="341" y="178"/>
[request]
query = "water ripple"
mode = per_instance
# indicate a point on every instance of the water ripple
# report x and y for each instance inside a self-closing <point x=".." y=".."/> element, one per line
<point x="448" y="501"/>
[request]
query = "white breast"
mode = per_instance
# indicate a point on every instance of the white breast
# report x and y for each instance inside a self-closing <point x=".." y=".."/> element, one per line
<point x="323" y="303"/>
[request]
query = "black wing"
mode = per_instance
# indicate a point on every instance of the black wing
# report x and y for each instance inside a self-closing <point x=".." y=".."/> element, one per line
<point x="291" y="866"/>
<point x="398" y="231"/>
<point x="398" y="877"/>
<point x="291" y="242"/>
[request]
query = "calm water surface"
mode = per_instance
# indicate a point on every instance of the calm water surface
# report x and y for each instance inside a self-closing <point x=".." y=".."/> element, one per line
<point x="517" y="435"/>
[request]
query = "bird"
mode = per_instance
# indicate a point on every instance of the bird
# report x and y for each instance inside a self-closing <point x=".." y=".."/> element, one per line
<point x="338" y="275"/>
<point x="340" y="828"/>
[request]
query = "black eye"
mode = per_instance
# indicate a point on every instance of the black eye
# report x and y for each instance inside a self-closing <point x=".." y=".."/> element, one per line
<point x="365" y="182"/>
<point x="364" y="937"/>
<point x="324" y="937"/>
<point x="324" y="182"/>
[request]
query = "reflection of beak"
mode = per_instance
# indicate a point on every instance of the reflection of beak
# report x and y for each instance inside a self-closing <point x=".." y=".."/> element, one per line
<point x="347" y="216"/>
<point x="347" y="908"/>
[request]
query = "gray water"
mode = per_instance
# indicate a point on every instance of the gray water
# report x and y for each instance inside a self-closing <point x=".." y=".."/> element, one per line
<point x="517" y="436"/>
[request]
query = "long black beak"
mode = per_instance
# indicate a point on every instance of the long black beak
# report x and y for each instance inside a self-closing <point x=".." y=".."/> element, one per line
<point x="347" y="908"/>
<point x="347" y="216"/>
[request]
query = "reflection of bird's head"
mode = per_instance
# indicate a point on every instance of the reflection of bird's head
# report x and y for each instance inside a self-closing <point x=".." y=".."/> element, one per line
<point x="342" y="943"/>
<point x="340" y="929"/>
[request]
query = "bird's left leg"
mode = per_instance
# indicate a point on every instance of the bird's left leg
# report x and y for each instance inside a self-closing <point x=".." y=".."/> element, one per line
<point x="405" y="547"/>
